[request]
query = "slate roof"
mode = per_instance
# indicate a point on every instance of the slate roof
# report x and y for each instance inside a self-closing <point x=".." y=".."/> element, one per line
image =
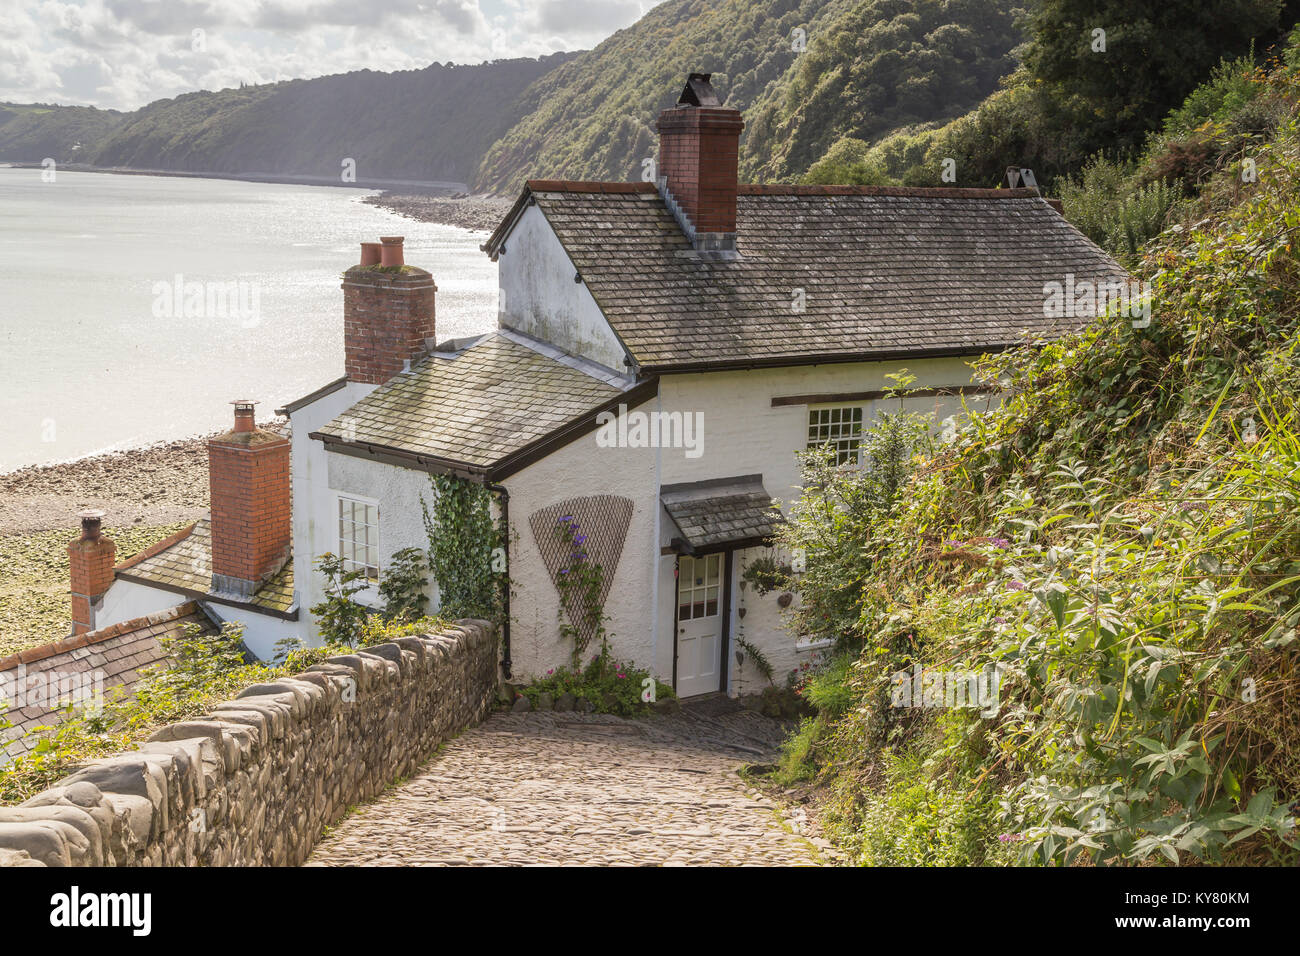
<point x="886" y="272"/>
<point x="118" y="653"/>
<point x="493" y="399"/>
<point x="183" y="563"/>
<point x="720" y="511"/>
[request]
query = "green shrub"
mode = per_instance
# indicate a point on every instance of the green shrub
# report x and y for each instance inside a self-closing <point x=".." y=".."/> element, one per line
<point x="828" y="689"/>
<point x="403" y="585"/>
<point x="339" y="616"/>
<point x="1120" y="538"/>
<point x="608" y="685"/>
<point x="205" y="669"/>
<point x="924" y="811"/>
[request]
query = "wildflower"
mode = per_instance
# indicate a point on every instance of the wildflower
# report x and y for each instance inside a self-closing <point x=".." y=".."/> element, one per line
<point x="1014" y="585"/>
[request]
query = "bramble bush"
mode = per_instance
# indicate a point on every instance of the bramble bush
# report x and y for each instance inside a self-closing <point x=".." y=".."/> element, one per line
<point x="1122" y="537"/>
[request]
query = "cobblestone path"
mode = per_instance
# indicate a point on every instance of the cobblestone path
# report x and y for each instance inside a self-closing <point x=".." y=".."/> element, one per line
<point x="568" y="788"/>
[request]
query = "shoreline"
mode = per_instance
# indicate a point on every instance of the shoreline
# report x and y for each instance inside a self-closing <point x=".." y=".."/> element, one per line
<point x="435" y="187"/>
<point x="442" y="203"/>
<point x="475" y="213"/>
<point x="160" y="483"/>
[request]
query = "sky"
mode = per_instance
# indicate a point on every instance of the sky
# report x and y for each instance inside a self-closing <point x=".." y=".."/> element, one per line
<point x="122" y="54"/>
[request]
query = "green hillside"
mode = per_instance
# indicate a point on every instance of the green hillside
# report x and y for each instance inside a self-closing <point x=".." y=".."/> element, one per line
<point x="1070" y="99"/>
<point x="34" y="132"/>
<point x="429" y="124"/>
<point x="862" y="68"/>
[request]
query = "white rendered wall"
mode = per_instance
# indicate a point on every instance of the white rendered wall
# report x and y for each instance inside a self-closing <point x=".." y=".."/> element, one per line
<point x="315" y="523"/>
<point x="743" y="434"/>
<point x="539" y="297"/>
<point x="128" y="600"/>
<point x="397" y="491"/>
<point x="261" y="631"/>
<point x="578" y="470"/>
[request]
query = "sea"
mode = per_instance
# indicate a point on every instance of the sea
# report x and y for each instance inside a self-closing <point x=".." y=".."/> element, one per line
<point x="134" y="309"/>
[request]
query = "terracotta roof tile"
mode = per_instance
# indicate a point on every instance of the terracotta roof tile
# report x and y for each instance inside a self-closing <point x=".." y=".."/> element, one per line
<point x="112" y="655"/>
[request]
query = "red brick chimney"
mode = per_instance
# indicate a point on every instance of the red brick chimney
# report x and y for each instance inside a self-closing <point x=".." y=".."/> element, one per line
<point x="248" y="478"/>
<point x="387" y="314"/>
<point x="91" y="560"/>
<point x="699" y="151"/>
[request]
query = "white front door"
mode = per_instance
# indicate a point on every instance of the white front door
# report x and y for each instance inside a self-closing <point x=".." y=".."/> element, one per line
<point x="699" y="624"/>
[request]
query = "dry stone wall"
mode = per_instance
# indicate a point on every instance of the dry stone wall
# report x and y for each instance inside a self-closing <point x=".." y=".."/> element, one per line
<point x="256" y="782"/>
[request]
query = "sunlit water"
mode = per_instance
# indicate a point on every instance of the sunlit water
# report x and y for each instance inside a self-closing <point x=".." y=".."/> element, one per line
<point x="90" y="360"/>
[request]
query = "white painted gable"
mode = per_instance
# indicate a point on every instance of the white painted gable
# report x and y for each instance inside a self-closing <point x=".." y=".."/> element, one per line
<point x="539" y="296"/>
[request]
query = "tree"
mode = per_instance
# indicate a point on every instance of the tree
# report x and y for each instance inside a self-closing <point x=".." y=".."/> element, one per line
<point x="1119" y="66"/>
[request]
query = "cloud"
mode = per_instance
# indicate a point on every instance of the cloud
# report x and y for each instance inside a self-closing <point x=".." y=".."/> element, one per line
<point x="123" y="54"/>
<point x="586" y="16"/>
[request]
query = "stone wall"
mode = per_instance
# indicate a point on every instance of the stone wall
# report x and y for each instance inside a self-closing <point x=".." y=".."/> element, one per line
<point x="256" y="781"/>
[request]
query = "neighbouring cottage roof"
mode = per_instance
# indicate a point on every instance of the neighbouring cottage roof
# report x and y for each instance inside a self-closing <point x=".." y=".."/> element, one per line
<point x="477" y="409"/>
<point x="734" y="512"/>
<point x="183" y="563"/>
<point x="116" y="654"/>
<point x="879" y="272"/>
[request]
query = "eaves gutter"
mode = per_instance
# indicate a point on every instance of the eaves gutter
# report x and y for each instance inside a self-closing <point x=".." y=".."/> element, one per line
<point x="826" y="358"/>
<point x="514" y="462"/>
<point x="577" y="427"/>
<point x="401" y="457"/>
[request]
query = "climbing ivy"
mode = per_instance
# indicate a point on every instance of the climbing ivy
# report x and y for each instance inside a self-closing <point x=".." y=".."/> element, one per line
<point x="466" y="548"/>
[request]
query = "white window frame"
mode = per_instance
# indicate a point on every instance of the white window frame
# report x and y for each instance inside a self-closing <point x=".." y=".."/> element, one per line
<point x="819" y="433"/>
<point x="340" y="498"/>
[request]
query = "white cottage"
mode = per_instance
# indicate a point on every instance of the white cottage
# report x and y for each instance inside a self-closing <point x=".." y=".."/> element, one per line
<point x="663" y="351"/>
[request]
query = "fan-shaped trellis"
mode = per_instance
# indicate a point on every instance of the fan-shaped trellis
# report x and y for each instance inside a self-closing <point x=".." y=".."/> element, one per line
<point x="604" y="519"/>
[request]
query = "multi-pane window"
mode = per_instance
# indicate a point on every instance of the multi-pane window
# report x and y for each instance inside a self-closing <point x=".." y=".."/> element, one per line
<point x="698" y="586"/>
<point x="839" y="427"/>
<point x="359" y="537"/>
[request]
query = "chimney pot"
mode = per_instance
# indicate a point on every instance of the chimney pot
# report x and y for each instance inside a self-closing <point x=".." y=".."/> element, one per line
<point x="370" y="254"/>
<point x="91" y="520"/>
<point x="390" y="253"/>
<point x="244" y="414"/>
